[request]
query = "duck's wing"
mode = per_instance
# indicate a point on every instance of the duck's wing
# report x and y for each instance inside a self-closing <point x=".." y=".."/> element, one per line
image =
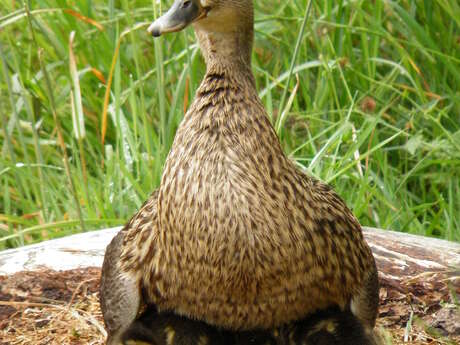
<point x="120" y="296"/>
<point x="345" y="246"/>
<point x="140" y="235"/>
<point x="120" y="291"/>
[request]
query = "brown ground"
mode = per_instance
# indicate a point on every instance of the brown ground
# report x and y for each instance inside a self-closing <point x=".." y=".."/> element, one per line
<point x="51" y="307"/>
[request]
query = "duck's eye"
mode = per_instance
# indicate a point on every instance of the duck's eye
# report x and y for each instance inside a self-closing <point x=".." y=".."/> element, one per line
<point x="186" y="4"/>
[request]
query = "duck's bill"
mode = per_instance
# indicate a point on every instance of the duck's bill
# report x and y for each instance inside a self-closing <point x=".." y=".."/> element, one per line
<point x="180" y="15"/>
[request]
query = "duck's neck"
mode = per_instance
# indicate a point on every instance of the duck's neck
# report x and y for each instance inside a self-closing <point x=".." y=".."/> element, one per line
<point x="228" y="53"/>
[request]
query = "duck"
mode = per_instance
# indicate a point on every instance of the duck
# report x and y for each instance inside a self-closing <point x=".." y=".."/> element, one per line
<point x="326" y="327"/>
<point x="236" y="235"/>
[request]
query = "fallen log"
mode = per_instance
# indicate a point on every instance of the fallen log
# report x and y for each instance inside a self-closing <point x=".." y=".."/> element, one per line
<point x="76" y="251"/>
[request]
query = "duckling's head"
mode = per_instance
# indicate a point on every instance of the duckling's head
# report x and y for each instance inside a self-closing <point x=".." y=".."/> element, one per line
<point x="224" y="27"/>
<point x="207" y="15"/>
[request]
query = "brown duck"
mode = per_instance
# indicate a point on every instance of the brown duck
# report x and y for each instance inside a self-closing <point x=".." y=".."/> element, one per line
<point x="236" y="235"/>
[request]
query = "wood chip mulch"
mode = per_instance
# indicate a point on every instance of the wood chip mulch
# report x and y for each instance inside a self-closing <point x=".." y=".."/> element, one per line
<point x="49" y="307"/>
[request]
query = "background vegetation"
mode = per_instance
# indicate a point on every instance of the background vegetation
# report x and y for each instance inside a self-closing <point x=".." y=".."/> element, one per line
<point x="369" y="103"/>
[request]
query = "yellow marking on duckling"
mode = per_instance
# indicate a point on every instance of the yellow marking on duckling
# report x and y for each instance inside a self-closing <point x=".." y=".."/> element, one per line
<point x="136" y="342"/>
<point x="330" y="327"/>
<point x="170" y="334"/>
<point x="203" y="340"/>
<point x="325" y="325"/>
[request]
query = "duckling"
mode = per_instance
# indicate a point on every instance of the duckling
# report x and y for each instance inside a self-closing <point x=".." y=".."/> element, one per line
<point x="237" y="236"/>
<point x="331" y="327"/>
<point x="328" y="327"/>
<point x="170" y="329"/>
<point x="167" y="328"/>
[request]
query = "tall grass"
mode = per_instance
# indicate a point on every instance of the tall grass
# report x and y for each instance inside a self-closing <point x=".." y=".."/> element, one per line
<point x="89" y="105"/>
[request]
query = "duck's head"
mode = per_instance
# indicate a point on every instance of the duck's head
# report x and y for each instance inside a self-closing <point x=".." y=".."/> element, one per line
<point x="224" y="28"/>
<point x="207" y="15"/>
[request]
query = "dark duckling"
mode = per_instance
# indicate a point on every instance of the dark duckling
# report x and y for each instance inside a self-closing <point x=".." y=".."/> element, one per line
<point x="329" y="327"/>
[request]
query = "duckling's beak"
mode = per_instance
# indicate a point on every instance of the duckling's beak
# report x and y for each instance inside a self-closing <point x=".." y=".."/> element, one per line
<point x="180" y="15"/>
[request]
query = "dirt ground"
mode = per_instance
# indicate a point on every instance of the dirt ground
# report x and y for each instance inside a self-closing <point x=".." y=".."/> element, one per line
<point x="50" y="307"/>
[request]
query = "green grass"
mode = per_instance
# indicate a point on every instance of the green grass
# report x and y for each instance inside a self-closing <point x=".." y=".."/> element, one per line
<point x="370" y="103"/>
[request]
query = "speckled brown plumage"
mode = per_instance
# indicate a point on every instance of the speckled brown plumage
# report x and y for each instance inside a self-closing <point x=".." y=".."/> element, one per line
<point x="242" y="238"/>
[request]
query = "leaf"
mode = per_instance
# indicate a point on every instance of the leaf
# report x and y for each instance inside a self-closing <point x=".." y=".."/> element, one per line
<point x="414" y="144"/>
<point x="76" y="101"/>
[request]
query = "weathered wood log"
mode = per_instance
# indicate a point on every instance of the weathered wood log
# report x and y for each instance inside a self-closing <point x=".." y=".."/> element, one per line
<point x="76" y="251"/>
<point x="400" y="256"/>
